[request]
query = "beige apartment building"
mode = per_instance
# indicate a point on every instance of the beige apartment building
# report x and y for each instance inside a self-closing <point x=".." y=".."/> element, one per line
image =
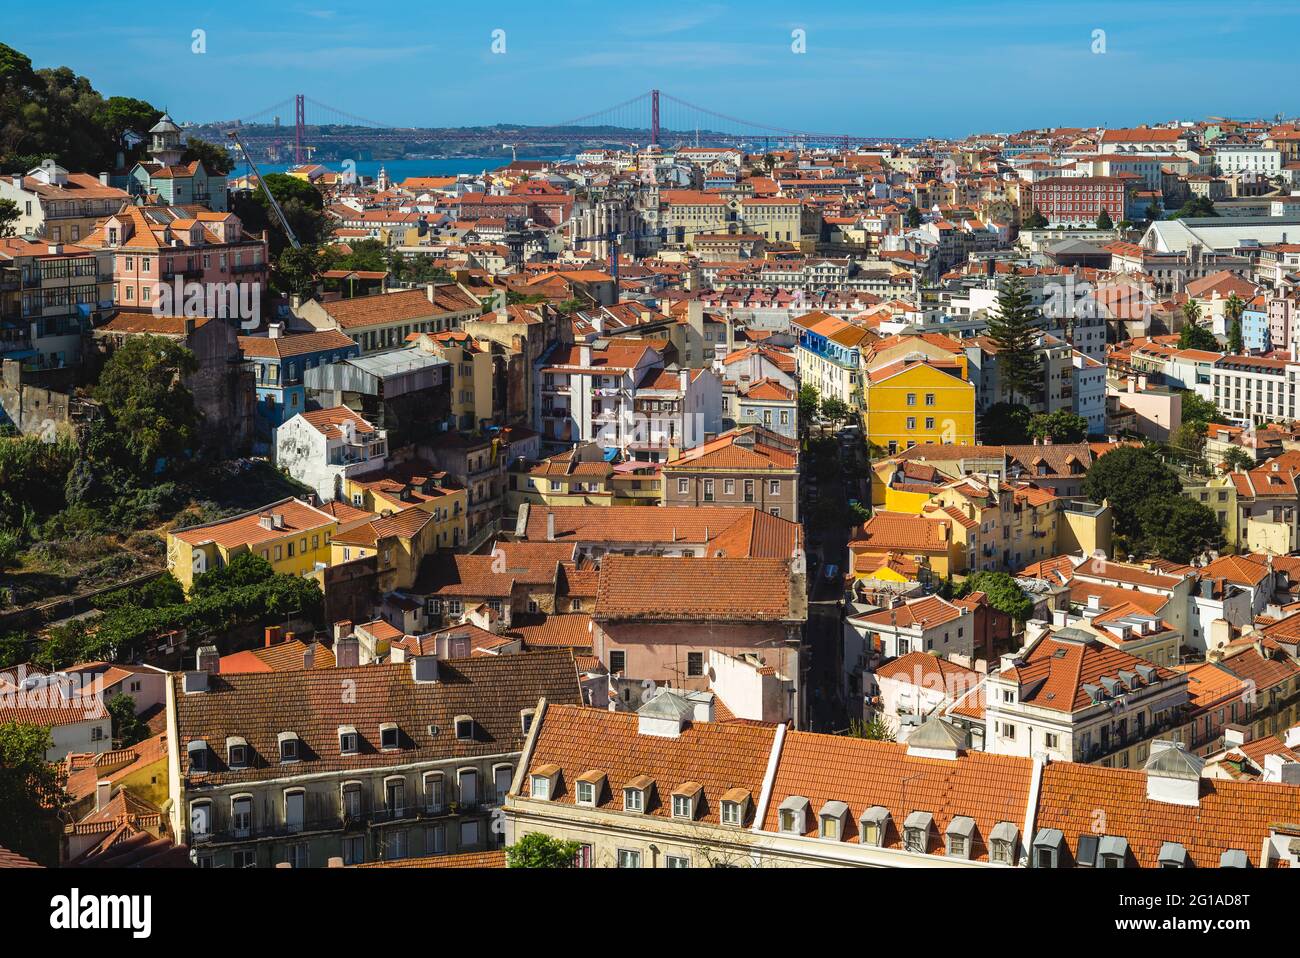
<point x="363" y="763"/>
<point x="750" y="468"/>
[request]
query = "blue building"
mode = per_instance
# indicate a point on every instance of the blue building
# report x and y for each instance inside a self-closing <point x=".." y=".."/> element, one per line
<point x="1254" y="327"/>
<point x="280" y="359"/>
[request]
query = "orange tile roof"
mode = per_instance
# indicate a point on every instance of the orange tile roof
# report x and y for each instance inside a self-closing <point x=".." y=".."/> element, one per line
<point x="247" y="529"/>
<point x="719" y="756"/>
<point x="864" y="773"/>
<point x="1053" y="673"/>
<point x="670" y="588"/>
<point x="1074" y="798"/>
<point x="734" y="532"/>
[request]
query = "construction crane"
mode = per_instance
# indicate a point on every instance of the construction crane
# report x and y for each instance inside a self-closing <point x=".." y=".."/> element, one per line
<point x="279" y="213"/>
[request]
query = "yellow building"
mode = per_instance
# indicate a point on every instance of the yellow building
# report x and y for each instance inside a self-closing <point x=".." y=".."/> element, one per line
<point x="912" y="402"/>
<point x="401" y="485"/>
<point x="290" y="534"/>
<point x="582" y="477"/>
<point x="471" y="368"/>
<point x="400" y="541"/>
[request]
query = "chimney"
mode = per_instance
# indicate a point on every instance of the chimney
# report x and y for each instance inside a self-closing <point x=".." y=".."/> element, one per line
<point x="18" y="181"/>
<point x="347" y="652"/>
<point x="309" y="657"/>
<point x="335" y="861"/>
<point x="189" y="326"/>
<point x="275" y="330"/>
<point x="103" y="792"/>
<point x="272" y="635"/>
<point x="550" y="526"/>
<point x="342" y="629"/>
<point x="208" y="660"/>
<point x="103" y="181"/>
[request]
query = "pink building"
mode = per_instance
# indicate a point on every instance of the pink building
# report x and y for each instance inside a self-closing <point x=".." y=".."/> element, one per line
<point x="658" y="620"/>
<point x="154" y="246"/>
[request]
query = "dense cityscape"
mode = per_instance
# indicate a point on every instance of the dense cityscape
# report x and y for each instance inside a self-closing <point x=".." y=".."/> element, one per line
<point x="637" y="496"/>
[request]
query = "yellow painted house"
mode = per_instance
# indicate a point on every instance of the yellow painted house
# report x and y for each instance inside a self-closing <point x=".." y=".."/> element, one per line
<point x="290" y="534"/>
<point x="402" y="485"/>
<point x="913" y="402"/>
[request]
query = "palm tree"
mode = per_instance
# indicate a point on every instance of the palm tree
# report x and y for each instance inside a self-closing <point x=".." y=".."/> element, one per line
<point x="1233" y="309"/>
<point x="1192" y="312"/>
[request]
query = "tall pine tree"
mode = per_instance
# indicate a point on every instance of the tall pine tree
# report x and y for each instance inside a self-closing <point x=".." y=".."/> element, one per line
<point x="1011" y="329"/>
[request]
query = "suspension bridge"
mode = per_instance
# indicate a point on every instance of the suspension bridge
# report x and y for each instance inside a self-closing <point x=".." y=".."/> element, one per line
<point x="654" y="118"/>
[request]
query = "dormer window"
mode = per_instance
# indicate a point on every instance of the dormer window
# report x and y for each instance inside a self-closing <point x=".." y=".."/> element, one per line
<point x="1048" y="844"/>
<point x="348" y="740"/>
<point x="792" y="816"/>
<point x="1173" y="855"/>
<point x="875" y="825"/>
<point x="464" y="728"/>
<point x="959" y="837"/>
<point x="236" y="752"/>
<point x="686" y="800"/>
<point x="288" y="746"/>
<point x="831" y="821"/>
<point x="198" y="753"/>
<point x="526" y="719"/>
<point x="590" y="786"/>
<point x="1002" y="844"/>
<point x="734" y="807"/>
<point x="1112" y="852"/>
<point x="388" y="738"/>
<point x="544" y="782"/>
<point x="916" y="832"/>
<point x="636" y="794"/>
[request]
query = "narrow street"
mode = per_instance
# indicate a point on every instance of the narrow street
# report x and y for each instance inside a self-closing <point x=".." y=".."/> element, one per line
<point x="828" y="485"/>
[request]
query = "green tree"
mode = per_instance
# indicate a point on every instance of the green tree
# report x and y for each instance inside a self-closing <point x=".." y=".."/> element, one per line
<point x="1059" y="426"/>
<point x="1177" y="528"/>
<point x="1127" y="477"/>
<point x="247" y="568"/>
<point x="1238" y="458"/>
<point x="1188" y="443"/>
<point x="1196" y="206"/>
<point x="1002" y="592"/>
<point x="835" y="409"/>
<point x="1005" y="424"/>
<point x="216" y="159"/>
<point x="31" y="793"/>
<point x="298" y="271"/>
<point x="1233" y="309"/>
<point x="8" y="217"/>
<point x="1196" y="409"/>
<point x="1153" y="212"/>
<point x="877" y="730"/>
<point x="913" y="218"/>
<point x="127" y="727"/>
<point x="1193" y="335"/>
<point x="810" y="404"/>
<point x="151" y="411"/>
<point x="536" y="850"/>
<point x="1104" y="222"/>
<point x="1036" y="220"/>
<point x="1012" y="331"/>
<point x="302" y="204"/>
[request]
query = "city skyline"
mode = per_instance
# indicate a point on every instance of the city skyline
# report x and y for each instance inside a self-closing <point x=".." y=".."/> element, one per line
<point x="945" y="81"/>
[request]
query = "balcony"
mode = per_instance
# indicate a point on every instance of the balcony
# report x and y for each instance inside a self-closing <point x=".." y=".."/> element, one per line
<point x="248" y="268"/>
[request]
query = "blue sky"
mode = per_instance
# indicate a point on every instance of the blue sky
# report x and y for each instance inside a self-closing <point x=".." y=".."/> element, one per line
<point x="870" y="67"/>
